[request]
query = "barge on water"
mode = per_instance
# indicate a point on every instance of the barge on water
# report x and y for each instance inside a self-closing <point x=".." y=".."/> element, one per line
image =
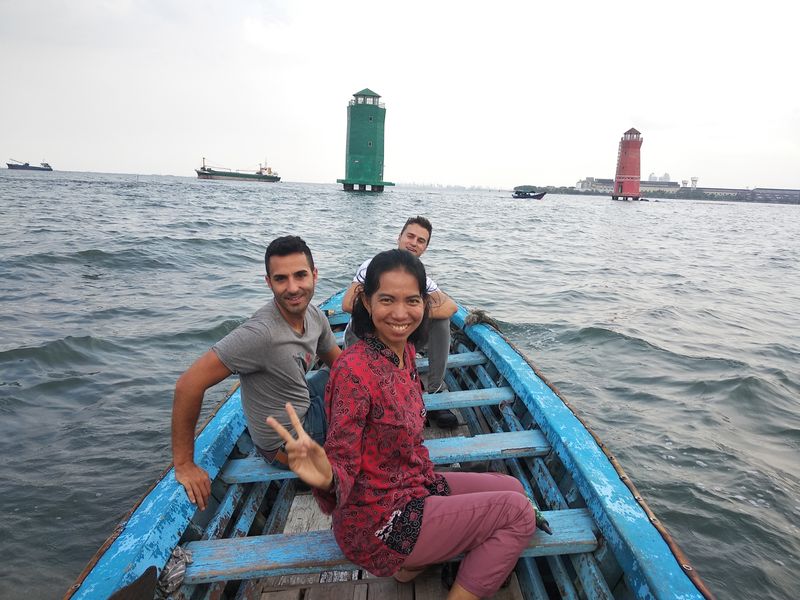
<point x="263" y="173"/>
<point x="23" y="166"/>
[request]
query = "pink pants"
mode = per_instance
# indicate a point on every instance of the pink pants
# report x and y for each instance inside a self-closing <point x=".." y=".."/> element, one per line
<point x="488" y="517"/>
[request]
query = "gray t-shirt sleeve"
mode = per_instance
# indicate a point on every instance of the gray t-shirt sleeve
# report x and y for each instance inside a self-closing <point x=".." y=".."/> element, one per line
<point x="242" y="350"/>
<point x="326" y="340"/>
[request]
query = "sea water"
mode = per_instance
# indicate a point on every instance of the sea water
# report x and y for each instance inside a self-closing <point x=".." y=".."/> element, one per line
<point x="671" y="327"/>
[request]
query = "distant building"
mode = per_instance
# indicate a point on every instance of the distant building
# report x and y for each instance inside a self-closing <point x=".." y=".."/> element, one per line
<point x="597" y="185"/>
<point x="661" y="185"/>
<point x="592" y="184"/>
<point x="777" y="195"/>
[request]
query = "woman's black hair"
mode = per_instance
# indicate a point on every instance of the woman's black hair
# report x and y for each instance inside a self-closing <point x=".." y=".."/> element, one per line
<point x="391" y="260"/>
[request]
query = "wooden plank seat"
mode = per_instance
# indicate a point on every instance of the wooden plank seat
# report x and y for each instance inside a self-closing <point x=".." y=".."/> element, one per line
<point x="287" y="554"/>
<point x="468" y="398"/>
<point x="492" y="446"/>
<point x="460" y="359"/>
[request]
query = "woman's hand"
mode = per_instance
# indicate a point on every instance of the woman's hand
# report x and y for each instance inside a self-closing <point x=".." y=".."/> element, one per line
<point x="306" y="457"/>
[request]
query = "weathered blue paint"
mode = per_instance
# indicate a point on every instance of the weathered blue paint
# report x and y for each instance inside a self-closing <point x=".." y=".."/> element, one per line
<point x="314" y="551"/>
<point x="275" y="523"/>
<point x="219" y="522"/>
<point x="339" y="319"/>
<point x="651" y="568"/>
<point x="470" y="419"/>
<point x="530" y="581"/>
<point x="561" y="576"/>
<point x="154" y="528"/>
<point x="592" y="580"/>
<point x="455" y="361"/>
<point x="240" y="529"/>
<point x="333" y="305"/>
<point x="468" y="398"/>
<point x="442" y="451"/>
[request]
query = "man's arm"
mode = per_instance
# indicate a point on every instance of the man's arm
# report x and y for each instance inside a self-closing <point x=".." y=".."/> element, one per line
<point x="331" y="355"/>
<point x="350" y="297"/>
<point x="442" y="306"/>
<point x="207" y="371"/>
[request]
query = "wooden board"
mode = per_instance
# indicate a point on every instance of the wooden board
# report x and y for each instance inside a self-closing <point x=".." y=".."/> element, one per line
<point x="305" y="515"/>
<point x="428" y="586"/>
<point x="488" y="446"/>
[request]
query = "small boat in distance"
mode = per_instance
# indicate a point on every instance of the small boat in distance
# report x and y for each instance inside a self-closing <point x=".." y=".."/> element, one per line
<point x="23" y="166"/>
<point x="264" y="173"/>
<point x="527" y="191"/>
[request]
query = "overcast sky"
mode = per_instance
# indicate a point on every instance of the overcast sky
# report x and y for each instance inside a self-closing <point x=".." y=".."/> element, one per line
<point x="491" y="94"/>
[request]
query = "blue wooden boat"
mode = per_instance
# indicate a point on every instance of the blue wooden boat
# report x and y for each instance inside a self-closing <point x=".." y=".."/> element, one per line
<point x="606" y="543"/>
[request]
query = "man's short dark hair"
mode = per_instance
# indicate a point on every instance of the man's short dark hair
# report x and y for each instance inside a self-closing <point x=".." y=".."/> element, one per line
<point x="286" y="245"/>
<point x="422" y="222"/>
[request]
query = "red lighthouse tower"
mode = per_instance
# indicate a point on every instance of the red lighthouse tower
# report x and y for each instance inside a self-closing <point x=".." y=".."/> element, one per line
<point x="626" y="182"/>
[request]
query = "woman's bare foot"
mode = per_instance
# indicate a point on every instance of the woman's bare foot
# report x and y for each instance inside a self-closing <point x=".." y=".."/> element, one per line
<point x="459" y="593"/>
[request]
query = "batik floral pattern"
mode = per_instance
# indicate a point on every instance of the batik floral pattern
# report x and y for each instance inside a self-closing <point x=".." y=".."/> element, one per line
<point x="382" y="471"/>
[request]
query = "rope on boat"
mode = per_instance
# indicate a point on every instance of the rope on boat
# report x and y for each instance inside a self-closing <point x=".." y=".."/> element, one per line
<point x="174" y="572"/>
<point x="477" y="316"/>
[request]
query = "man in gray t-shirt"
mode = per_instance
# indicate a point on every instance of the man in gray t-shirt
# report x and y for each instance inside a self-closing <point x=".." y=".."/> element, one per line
<point x="272" y="360"/>
<point x="271" y="352"/>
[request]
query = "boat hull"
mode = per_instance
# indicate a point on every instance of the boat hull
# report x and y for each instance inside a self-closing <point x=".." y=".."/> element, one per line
<point x="23" y="167"/>
<point x="605" y="539"/>
<point x="234" y="176"/>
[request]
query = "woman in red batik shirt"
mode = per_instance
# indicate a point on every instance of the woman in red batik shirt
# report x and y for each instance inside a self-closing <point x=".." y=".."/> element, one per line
<point x="392" y="514"/>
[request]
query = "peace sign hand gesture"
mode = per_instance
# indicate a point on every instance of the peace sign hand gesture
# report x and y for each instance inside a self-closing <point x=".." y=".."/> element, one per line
<point x="306" y="457"/>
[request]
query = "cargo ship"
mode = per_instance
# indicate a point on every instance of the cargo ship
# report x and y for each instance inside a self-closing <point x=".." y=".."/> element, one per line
<point x="23" y="166"/>
<point x="264" y="173"/>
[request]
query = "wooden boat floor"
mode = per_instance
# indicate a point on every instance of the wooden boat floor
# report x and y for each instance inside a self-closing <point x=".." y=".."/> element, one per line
<point x="305" y="515"/>
<point x="427" y="586"/>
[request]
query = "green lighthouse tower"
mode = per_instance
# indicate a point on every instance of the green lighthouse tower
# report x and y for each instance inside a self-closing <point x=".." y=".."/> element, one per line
<point x="364" y="160"/>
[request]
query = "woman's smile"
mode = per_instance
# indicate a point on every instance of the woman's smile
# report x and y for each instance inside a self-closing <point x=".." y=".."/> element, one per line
<point x="396" y="308"/>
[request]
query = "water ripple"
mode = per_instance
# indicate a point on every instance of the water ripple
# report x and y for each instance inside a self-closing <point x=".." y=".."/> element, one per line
<point x="670" y="327"/>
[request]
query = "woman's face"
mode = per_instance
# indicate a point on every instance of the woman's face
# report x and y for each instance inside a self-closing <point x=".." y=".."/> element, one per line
<point x="396" y="308"/>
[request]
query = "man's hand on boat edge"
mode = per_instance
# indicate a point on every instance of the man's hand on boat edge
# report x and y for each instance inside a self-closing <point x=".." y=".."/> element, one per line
<point x="205" y="372"/>
<point x="195" y="481"/>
